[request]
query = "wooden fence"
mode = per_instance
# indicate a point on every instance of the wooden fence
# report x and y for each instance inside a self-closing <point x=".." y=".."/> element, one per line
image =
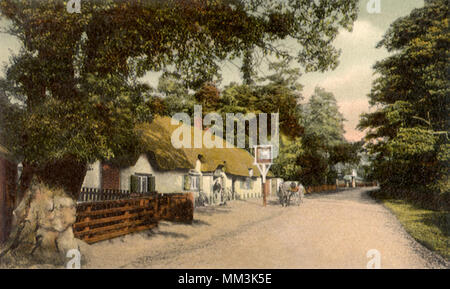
<point x="366" y="184"/>
<point x="322" y="188"/>
<point x="176" y="207"/>
<point x="98" y="219"/>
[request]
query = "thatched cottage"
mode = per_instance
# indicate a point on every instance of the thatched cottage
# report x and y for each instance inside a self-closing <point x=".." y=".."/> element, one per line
<point x="164" y="169"/>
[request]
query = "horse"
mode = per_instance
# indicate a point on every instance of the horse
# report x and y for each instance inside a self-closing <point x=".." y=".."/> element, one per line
<point x="290" y="191"/>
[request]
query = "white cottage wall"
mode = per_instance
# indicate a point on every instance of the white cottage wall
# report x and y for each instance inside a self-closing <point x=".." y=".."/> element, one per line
<point x="207" y="184"/>
<point x="255" y="192"/>
<point x="165" y="181"/>
<point x="142" y="166"/>
<point x="170" y="181"/>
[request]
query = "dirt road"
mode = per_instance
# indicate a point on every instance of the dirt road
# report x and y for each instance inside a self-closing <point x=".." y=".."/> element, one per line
<point x="326" y="231"/>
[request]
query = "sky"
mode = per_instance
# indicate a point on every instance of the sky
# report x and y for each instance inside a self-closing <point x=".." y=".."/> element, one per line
<point x="350" y="82"/>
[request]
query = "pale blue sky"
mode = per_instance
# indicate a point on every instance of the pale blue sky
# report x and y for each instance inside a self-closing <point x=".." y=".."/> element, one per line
<point x="350" y="82"/>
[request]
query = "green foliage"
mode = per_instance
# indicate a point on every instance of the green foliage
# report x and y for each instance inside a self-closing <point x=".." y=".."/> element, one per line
<point x="428" y="227"/>
<point x="175" y="96"/>
<point x="408" y="134"/>
<point x="323" y="139"/>
<point x="286" y="165"/>
<point x="277" y="93"/>
<point x="75" y="76"/>
<point x="345" y="153"/>
<point x="193" y="35"/>
<point x="323" y="119"/>
<point x="413" y="141"/>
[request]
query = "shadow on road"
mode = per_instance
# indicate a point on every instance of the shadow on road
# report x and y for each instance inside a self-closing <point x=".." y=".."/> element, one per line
<point x="197" y="223"/>
<point x="212" y="210"/>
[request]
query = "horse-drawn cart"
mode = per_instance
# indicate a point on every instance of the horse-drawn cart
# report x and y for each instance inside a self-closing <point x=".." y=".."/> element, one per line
<point x="291" y="192"/>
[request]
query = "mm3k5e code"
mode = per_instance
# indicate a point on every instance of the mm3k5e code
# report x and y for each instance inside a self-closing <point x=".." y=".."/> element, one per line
<point x="246" y="278"/>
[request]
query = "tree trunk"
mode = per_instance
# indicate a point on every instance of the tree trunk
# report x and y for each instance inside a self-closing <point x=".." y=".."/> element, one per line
<point x="43" y="219"/>
<point x="42" y="231"/>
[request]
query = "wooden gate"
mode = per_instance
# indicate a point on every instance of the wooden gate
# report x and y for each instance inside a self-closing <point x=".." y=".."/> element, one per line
<point x="101" y="219"/>
<point x="97" y="221"/>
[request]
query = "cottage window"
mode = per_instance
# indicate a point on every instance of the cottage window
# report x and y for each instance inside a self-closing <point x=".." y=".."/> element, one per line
<point x="192" y="182"/>
<point x="142" y="184"/>
<point x="247" y="184"/>
<point x="195" y="182"/>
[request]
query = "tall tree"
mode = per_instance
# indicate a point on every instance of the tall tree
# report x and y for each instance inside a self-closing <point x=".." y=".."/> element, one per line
<point x="408" y="133"/>
<point x="323" y="119"/>
<point x="175" y="95"/>
<point x="73" y="72"/>
<point x="324" y="133"/>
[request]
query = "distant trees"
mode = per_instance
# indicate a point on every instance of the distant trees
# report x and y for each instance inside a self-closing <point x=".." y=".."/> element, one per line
<point x="323" y="139"/>
<point x="172" y="96"/>
<point x="322" y="118"/>
<point x="312" y="135"/>
<point x="277" y="93"/>
<point x="209" y="97"/>
<point x="74" y="74"/>
<point x="287" y="164"/>
<point x="408" y="133"/>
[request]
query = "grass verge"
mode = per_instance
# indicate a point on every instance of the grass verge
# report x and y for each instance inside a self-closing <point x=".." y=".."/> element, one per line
<point x="429" y="227"/>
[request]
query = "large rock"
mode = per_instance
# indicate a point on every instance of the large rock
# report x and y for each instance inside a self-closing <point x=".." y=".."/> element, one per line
<point x="43" y="227"/>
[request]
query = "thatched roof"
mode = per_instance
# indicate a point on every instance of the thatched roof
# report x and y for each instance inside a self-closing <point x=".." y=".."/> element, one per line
<point x="156" y="137"/>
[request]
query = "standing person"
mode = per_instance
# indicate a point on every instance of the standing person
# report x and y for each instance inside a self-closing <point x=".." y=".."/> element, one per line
<point x="217" y="189"/>
<point x="224" y="191"/>
<point x="301" y="191"/>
